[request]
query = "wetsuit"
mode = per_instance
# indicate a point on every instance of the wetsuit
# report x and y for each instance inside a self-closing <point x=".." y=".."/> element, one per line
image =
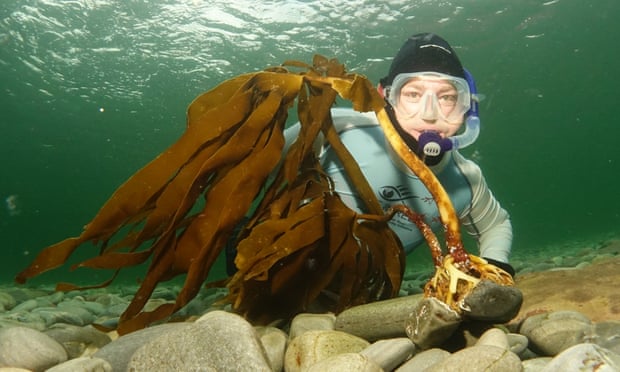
<point x="393" y="183"/>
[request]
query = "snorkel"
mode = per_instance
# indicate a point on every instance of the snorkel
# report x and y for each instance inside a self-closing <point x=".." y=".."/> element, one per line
<point x="431" y="142"/>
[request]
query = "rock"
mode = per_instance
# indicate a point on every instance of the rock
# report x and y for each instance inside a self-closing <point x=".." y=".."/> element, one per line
<point x="22" y="319"/>
<point x="119" y="352"/>
<point x="114" y="305"/>
<point x="218" y="341"/>
<point x="345" y="362"/>
<point x="77" y="339"/>
<point x="389" y="354"/>
<point x="535" y="364"/>
<point x="313" y="346"/>
<point x="517" y="343"/>
<point x="25" y="306"/>
<point x="21" y="294"/>
<point x="480" y="358"/>
<point x="424" y="360"/>
<point x="305" y="322"/>
<point x="378" y="320"/>
<point x="85" y="364"/>
<point x="7" y="302"/>
<point x="109" y="299"/>
<point x="584" y="358"/>
<point x="494" y="337"/>
<point x="166" y="294"/>
<point x="54" y="298"/>
<point x="92" y="307"/>
<point x="53" y="315"/>
<point x="491" y="302"/>
<point x="551" y="333"/>
<point x="606" y="335"/>
<point x="431" y="323"/>
<point x="274" y="342"/>
<point x="30" y="349"/>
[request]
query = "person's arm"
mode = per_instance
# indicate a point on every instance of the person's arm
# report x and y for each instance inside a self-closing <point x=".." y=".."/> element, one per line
<point x="486" y="219"/>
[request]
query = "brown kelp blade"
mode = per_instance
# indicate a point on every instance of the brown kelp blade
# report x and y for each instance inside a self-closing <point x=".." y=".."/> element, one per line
<point x="299" y="234"/>
<point x="334" y="254"/>
<point x="131" y="198"/>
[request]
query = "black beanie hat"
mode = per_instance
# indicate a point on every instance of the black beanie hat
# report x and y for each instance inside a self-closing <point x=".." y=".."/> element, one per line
<point x="425" y="52"/>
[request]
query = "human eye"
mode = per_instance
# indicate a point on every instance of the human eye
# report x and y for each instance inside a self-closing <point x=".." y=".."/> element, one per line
<point x="448" y="100"/>
<point x="411" y="95"/>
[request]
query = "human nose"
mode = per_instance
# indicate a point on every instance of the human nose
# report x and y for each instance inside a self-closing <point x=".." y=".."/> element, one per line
<point x="430" y="108"/>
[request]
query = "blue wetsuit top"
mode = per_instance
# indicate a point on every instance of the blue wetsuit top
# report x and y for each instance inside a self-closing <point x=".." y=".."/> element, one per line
<point x="479" y="212"/>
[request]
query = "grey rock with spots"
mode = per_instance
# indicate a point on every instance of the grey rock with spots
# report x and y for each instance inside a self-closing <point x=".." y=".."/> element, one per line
<point x="583" y="358"/>
<point x="491" y="302"/>
<point x="431" y="323"/>
<point x="218" y="341"/>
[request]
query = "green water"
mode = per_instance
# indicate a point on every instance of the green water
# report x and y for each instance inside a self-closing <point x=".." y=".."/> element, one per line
<point x="92" y="90"/>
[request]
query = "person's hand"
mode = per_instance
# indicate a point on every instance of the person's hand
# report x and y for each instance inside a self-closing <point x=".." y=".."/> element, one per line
<point x="502" y="265"/>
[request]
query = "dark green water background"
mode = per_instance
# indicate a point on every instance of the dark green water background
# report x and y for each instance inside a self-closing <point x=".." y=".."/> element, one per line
<point x="92" y="90"/>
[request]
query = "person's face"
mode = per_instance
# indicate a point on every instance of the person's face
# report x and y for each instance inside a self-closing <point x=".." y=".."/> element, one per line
<point x="429" y="104"/>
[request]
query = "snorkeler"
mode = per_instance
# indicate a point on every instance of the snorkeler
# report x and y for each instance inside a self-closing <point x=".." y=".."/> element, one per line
<point x="282" y="264"/>
<point x="429" y="96"/>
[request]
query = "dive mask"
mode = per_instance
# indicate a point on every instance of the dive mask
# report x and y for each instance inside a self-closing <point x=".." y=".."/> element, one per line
<point x="448" y="104"/>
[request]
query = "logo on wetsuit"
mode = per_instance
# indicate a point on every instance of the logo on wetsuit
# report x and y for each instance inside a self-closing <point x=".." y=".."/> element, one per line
<point x="395" y="193"/>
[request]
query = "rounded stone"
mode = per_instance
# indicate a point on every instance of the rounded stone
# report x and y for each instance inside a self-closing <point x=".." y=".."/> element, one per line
<point x="218" y="341"/>
<point x="345" y="362"/>
<point x="518" y="343"/>
<point x="27" y="348"/>
<point x="424" y="360"/>
<point x="274" y="342"/>
<point x="305" y="322"/>
<point x="480" y="358"/>
<point x="7" y="301"/>
<point x="584" y="357"/>
<point x="492" y="302"/>
<point x="390" y="353"/>
<point x="431" y="323"/>
<point x="494" y="337"/>
<point x="82" y="364"/>
<point x="535" y="364"/>
<point x="119" y="352"/>
<point x="378" y="320"/>
<point x="76" y="339"/>
<point x="313" y="346"/>
<point x="551" y="333"/>
<point x="607" y="335"/>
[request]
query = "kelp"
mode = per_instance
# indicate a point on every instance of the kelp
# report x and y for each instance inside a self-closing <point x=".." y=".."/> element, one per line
<point x="300" y="239"/>
<point x="298" y="242"/>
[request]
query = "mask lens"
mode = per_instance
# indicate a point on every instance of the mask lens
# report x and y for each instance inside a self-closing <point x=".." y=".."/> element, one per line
<point x="414" y="99"/>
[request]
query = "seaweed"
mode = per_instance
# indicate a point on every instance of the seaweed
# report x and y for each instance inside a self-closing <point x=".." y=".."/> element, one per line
<point x="300" y="241"/>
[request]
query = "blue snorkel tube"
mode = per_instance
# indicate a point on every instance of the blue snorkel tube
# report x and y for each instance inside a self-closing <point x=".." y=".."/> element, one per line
<point x="431" y="142"/>
<point x="472" y="119"/>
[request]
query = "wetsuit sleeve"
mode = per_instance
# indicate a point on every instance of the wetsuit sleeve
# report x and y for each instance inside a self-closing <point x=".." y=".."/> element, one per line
<point x="485" y="219"/>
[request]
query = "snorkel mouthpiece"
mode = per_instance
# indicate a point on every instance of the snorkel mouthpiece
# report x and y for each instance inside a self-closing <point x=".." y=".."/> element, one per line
<point x="432" y="144"/>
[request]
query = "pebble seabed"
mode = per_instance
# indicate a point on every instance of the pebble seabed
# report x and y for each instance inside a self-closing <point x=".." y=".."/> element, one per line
<point x="43" y="330"/>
